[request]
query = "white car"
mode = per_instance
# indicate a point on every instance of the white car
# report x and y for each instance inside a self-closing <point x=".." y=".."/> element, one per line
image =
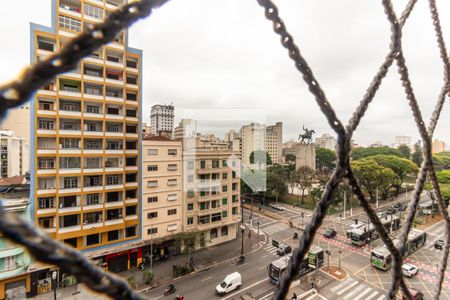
<point x="277" y="206"/>
<point x="409" y="270"/>
<point x="231" y="282"/>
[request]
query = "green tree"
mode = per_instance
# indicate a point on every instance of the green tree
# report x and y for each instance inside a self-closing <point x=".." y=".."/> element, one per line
<point x="304" y="179"/>
<point x="325" y="159"/>
<point x="443" y="177"/>
<point x="402" y="167"/>
<point x="260" y="157"/>
<point x="361" y="152"/>
<point x="416" y="156"/>
<point x="373" y="176"/>
<point x="148" y="277"/>
<point x="276" y="185"/>
<point x="405" y="150"/>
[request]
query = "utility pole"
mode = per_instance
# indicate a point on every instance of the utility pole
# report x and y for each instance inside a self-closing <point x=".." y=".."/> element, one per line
<point x="345" y="200"/>
<point x="257" y="224"/>
<point x="340" y="253"/>
<point x="251" y="208"/>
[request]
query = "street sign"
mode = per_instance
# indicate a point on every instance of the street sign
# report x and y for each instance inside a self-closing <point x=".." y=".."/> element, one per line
<point x="275" y="243"/>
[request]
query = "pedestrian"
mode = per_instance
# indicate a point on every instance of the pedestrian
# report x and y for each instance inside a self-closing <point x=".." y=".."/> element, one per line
<point x="294" y="296"/>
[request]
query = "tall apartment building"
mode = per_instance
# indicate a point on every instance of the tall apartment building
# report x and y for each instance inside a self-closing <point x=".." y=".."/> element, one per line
<point x="274" y="142"/>
<point x="212" y="195"/>
<point x="161" y="118"/>
<point x="326" y="141"/>
<point x="259" y="137"/>
<point x="15" y="155"/>
<point x="162" y="190"/>
<point x="437" y="146"/>
<point x="85" y="137"/>
<point x="14" y="259"/>
<point x="185" y="128"/>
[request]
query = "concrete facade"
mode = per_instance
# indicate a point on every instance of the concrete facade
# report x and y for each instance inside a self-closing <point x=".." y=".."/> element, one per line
<point x="326" y="141"/>
<point x="161" y="118"/>
<point x="15" y="155"/>
<point x="305" y="154"/>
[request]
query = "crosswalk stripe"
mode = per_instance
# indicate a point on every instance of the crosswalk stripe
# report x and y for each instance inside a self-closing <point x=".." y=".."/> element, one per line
<point x="355" y="291"/>
<point x="366" y="291"/>
<point x="347" y="288"/>
<point x="374" y="294"/>
<point x="347" y="281"/>
<point x="381" y="297"/>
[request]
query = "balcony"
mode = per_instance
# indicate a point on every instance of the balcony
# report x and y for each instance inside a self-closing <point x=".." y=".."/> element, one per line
<point x="70" y="88"/>
<point x="113" y="4"/>
<point x="69" y="229"/>
<point x="115" y="95"/>
<point x="47" y="90"/>
<point x="71" y="8"/>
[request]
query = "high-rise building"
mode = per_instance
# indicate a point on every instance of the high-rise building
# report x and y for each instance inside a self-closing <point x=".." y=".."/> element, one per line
<point x="212" y="195"/>
<point x="162" y="189"/>
<point x="402" y="140"/>
<point x="257" y="136"/>
<point x="15" y="155"/>
<point x="437" y="146"/>
<point x="326" y="141"/>
<point x="185" y="128"/>
<point x="161" y="118"/>
<point x="86" y="136"/>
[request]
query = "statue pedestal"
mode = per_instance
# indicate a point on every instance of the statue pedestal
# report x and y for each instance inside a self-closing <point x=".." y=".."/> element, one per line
<point x="305" y="155"/>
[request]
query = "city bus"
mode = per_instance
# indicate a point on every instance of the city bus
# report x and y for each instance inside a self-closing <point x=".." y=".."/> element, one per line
<point x="314" y="260"/>
<point x="381" y="258"/>
<point x="360" y="236"/>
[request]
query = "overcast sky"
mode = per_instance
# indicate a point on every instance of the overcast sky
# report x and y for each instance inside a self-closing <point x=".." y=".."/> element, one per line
<point x="217" y="54"/>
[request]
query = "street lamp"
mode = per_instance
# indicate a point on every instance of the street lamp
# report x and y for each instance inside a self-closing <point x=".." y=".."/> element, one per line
<point x="54" y="274"/>
<point x="340" y="253"/>
<point x="242" y="240"/>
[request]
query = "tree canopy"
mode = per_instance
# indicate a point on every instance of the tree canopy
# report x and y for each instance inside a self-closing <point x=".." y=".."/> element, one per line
<point x="361" y="152"/>
<point x="325" y="159"/>
<point x="416" y="156"/>
<point x="405" y="150"/>
<point x="260" y="157"/>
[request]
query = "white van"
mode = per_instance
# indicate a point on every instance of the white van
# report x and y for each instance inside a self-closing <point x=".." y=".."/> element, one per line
<point x="354" y="227"/>
<point x="231" y="282"/>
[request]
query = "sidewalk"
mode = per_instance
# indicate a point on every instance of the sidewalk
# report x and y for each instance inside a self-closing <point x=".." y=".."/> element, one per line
<point x="204" y="259"/>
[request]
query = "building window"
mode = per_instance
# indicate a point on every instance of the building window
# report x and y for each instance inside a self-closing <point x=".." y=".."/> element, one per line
<point x="235" y="198"/>
<point x="93" y="11"/>
<point x="172" y="227"/>
<point x="190" y="206"/>
<point x="216" y="217"/>
<point x="92" y="199"/>
<point x="152" y="152"/>
<point x="224" y="201"/>
<point x="152" y="199"/>
<point x="172" y="182"/>
<point x="203" y="219"/>
<point x="153" y="183"/>
<point x="114" y="235"/>
<point x="151" y="231"/>
<point x="93" y="239"/>
<point x="235" y="210"/>
<point x="213" y="233"/>
<point x="130" y="210"/>
<point x="45" y="203"/>
<point x="234" y="186"/>
<point x="224" y="214"/>
<point x="172" y="212"/>
<point x="190" y="193"/>
<point x="224" y="188"/>
<point x="204" y="205"/>
<point x="152" y="215"/>
<point x="69" y="23"/>
<point x="224" y="163"/>
<point x="70" y="182"/>
<point x="224" y="231"/>
<point x="215" y="164"/>
<point x="172" y="167"/>
<point x="130" y="231"/>
<point x="190" y="220"/>
<point x="202" y="164"/>
<point x="233" y="174"/>
<point x="172" y="197"/>
<point x="152" y="168"/>
<point x="190" y="164"/>
<point x="172" y="151"/>
<point x="224" y="175"/>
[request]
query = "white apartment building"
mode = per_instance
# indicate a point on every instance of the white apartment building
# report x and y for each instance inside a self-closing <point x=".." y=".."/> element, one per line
<point x="402" y="140"/>
<point x="326" y="141"/>
<point x="15" y="155"/>
<point x="161" y="118"/>
<point x="185" y="128"/>
<point x="257" y="136"/>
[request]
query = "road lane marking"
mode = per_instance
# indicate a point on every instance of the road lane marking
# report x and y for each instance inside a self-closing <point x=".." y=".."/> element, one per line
<point x="240" y="291"/>
<point x="374" y="294"/>
<point x="381" y="297"/>
<point x="262" y="268"/>
<point x="347" y="288"/>
<point x="366" y="291"/>
<point x="355" y="291"/>
<point x="264" y="256"/>
<point x="207" y="278"/>
<point x="347" y="281"/>
<point x="159" y="297"/>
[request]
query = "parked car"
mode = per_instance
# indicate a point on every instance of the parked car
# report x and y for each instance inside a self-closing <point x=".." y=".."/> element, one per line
<point x="231" y="282"/>
<point x="403" y="207"/>
<point x="283" y="250"/>
<point x="409" y="270"/>
<point x="381" y="214"/>
<point x="277" y="206"/>
<point x="439" y="244"/>
<point x="397" y="205"/>
<point x="329" y="233"/>
<point x="415" y="293"/>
